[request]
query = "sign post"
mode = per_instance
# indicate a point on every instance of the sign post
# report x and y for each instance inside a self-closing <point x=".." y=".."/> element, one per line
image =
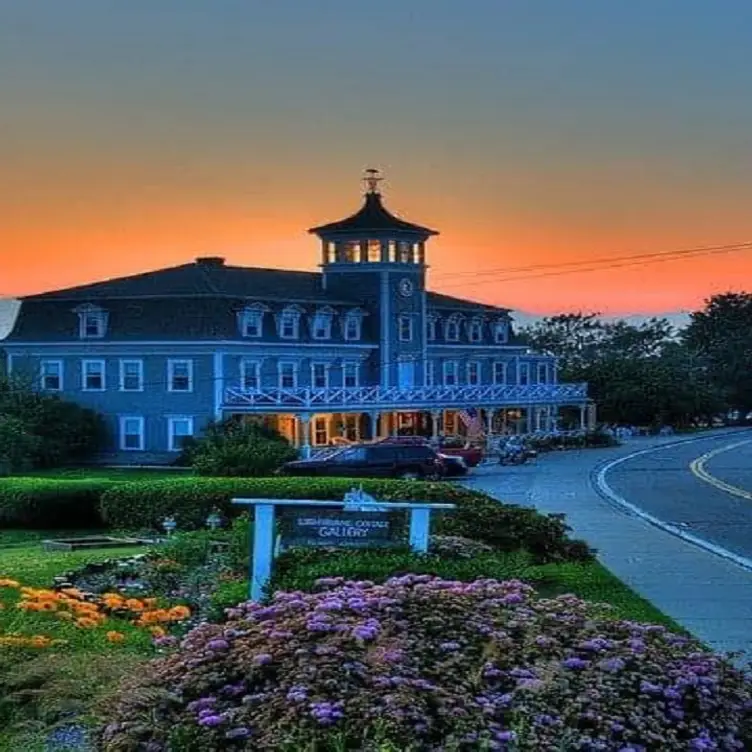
<point x="358" y="521"/>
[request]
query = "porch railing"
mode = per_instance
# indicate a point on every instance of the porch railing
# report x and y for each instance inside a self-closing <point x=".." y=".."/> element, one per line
<point x="426" y="397"/>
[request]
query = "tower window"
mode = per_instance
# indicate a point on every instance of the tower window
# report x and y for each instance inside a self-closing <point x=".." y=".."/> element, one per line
<point x="392" y="251"/>
<point x="352" y="252"/>
<point x="404" y="252"/>
<point x="374" y="251"/>
<point x="331" y="252"/>
<point x="416" y="253"/>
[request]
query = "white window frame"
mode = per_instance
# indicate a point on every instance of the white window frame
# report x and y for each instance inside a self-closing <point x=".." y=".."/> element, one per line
<point x="43" y="376"/>
<point x="478" y="372"/>
<point x="322" y="320"/>
<point x="172" y="420"/>
<point x="353" y="366"/>
<point x="280" y="369"/>
<point x="475" y="330"/>
<point x="356" y="321"/>
<point x="171" y="363"/>
<point x="84" y="375"/>
<point x="541" y="368"/>
<point x="255" y="367"/>
<point x="320" y="364"/>
<point x="429" y="378"/>
<point x="320" y="425"/>
<point x="255" y="317"/>
<point x="141" y="433"/>
<point x="431" y="325"/>
<point x="501" y="332"/>
<point x="122" y="374"/>
<point x="452" y="321"/>
<point x="504" y="366"/>
<point x="403" y="319"/>
<point x="97" y="315"/>
<point x="292" y="315"/>
<point x="450" y="366"/>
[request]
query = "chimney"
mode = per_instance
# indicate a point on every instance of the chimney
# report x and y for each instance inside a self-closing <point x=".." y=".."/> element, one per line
<point x="210" y="261"/>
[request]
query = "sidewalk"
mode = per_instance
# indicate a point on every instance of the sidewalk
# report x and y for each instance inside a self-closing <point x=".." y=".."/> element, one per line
<point x="709" y="596"/>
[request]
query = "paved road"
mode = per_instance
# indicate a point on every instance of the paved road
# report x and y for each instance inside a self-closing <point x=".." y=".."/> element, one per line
<point x="662" y="484"/>
<point x="710" y="596"/>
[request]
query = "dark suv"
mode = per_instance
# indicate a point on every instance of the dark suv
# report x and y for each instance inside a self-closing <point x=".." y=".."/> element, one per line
<point x="372" y="461"/>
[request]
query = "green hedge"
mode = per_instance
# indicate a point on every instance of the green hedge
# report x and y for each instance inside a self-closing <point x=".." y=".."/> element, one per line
<point x="506" y="527"/>
<point x="51" y="503"/>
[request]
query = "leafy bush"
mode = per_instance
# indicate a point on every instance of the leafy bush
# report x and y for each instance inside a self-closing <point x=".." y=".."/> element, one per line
<point x="17" y="446"/>
<point x="421" y="663"/>
<point x="233" y="449"/>
<point x="506" y="527"/>
<point x="577" y="440"/>
<point x="51" y="503"/>
<point x="64" y="432"/>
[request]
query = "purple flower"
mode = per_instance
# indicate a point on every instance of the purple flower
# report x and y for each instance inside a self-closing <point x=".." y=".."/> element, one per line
<point x="201" y="704"/>
<point x="210" y="720"/>
<point x="262" y="659"/>
<point x="574" y="663"/>
<point x="612" y="665"/>
<point x="218" y="644"/>
<point x="449" y="646"/>
<point x="238" y="733"/>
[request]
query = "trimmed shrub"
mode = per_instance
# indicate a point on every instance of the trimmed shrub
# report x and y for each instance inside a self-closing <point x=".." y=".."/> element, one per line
<point x="233" y="449"/>
<point x="421" y="663"/>
<point x="51" y="503"/>
<point x="506" y="527"/>
<point x="579" y="440"/>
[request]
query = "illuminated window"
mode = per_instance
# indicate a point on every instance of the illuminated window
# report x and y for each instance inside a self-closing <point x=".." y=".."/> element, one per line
<point x="392" y="251"/>
<point x="416" y="253"/>
<point x="331" y="252"/>
<point x="404" y="252"/>
<point x="352" y="252"/>
<point x="374" y="251"/>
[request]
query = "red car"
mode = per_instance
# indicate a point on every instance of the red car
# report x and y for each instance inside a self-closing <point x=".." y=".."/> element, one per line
<point x="452" y="446"/>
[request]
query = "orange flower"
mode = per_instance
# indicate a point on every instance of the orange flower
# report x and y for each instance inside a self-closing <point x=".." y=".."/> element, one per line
<point x="150" y="602"/>
<point x="72" y="592"/>
<point x="113" y="636"/>
<point x="6" y="582"/>
<point x="180" y="612"/>
<point x="39" y="641"/>
<point x="86" y="621"/>
<point x="134" y="604"/>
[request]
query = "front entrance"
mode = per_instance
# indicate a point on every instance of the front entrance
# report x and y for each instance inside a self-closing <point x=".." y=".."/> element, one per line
<point x="406" y="374"/>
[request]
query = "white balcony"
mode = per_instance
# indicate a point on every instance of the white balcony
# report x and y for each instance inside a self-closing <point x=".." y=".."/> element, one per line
<point x="351" y="399"/>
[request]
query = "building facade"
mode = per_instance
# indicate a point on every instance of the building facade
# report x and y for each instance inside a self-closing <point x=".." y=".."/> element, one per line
<point x="361" y="349"/>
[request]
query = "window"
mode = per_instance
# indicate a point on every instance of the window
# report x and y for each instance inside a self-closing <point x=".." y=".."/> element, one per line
<point x="321" y="327"/>
<point x="92" y="375"/>
<point x="352" y="252"/>
<point x="542" y="373"/>
<point x="430" y="379"/>
<point x="373" y="250"/>
<point x="405" y="328"/>
<point x="450" y="373"/>
<point x="404" y="252"/>
<point x="473" y="372"/>
<point x="499" y="372"/>
<point x="52" y="375"/>
<point x="392" y="251"/>
<point x="431" y="328"/>
<point x="475" y="330"/>
<point x="131" y="375"/>
<point x="132" y="433"/>
<point x="350" y="374"/>
<point x="319" y="375"/>
<point x="320" y="431"/>
<point x="524" y="374"/>
<point x="288" y="375"/>
<point x="417" y="253"/>
<point x="250" y="376"/>
<point x="331" y="252"/>
<point x="501" y="332"/>
<point x="289" y="322"/>
<point x="452" y="329"/>
<point x="252" y="323"/>
<point x="92" y="322"/>
<point x="178" y="430"/>
<point x="179" y="375"/>
<point x="353" y="325"/>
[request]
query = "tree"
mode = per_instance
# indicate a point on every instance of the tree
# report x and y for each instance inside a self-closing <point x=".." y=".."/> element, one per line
<point x="720" y="335"/>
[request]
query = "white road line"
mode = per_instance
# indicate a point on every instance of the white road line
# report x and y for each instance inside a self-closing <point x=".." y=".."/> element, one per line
<point x="605" y="489"/>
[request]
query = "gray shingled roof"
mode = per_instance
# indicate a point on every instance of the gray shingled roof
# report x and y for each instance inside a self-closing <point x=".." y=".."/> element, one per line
<point x="372" y="216"/>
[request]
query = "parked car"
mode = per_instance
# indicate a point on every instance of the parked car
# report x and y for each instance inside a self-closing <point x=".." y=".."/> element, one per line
<point x="372" y="461"/>
<point x="452" y="446"/>
<point x="454" y="467"/>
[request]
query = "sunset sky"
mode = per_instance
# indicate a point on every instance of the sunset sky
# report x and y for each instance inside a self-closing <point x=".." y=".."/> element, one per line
<point x="136" y="134"/>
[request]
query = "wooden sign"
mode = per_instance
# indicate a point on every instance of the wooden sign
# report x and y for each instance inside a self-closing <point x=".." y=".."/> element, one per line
<point x="340" y="529"/>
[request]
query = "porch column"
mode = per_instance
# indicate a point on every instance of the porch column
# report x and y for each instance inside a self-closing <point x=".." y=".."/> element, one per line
<point x="529" y="417"/>
<point x="304" y="434"/>
<point x="583" y="417"/>
<point x="435" y="421"/>
<point x="490" y="412"/>
<point x="373" y="419"/>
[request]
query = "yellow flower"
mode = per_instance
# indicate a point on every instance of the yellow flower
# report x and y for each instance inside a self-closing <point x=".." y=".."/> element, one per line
<point x="72" y="592"/>
<point x="39" y="641"/>
<point x="157" y="631"/>
<point x="113" y="636"/>
<point x="64" y="615"/>
<point x="5" y="582"/>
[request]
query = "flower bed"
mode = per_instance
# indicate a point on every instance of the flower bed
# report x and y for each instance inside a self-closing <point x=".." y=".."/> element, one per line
<point x="425" y="664"/>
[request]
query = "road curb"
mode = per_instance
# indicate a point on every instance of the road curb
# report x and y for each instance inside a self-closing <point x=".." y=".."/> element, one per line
<point x="600" y="484"/>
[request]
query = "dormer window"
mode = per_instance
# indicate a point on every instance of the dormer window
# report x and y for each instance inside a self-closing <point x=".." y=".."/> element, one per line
<point x="321" y="324"/>
<point x="92" y="322"/>
<point x="501" y="331"/>
<point x="452" y="328"/>
<point x="352" y="327"/>
<point x="251" y="320"/>
<point x="431" y="323"/>
<point x="475" y="330"/>
<point x="288" y="322"/>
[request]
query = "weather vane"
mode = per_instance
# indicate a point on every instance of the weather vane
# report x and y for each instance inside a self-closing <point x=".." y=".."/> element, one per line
<point x="372" y="180"/>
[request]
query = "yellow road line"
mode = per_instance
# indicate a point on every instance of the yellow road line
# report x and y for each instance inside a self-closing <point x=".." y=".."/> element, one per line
<point x="697" y="468"/>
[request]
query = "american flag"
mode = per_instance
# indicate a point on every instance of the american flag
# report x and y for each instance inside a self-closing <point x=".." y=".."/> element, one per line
<point x="472" y="420"/>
